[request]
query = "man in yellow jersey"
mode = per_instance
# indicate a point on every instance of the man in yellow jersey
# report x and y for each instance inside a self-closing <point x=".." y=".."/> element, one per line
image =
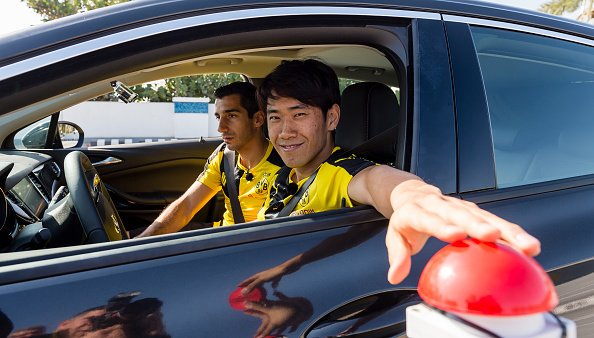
<point x="240" y="123"/>
<point x="302" y="104"/>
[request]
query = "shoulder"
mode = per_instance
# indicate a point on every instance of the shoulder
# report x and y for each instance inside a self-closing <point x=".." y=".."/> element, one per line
<point x="351" y="163"/>
<point x="217" y="153"/>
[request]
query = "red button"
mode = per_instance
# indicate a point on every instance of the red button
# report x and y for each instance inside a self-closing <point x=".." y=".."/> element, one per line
<point x="475" y="277"/>
<point x="237" y="300"/>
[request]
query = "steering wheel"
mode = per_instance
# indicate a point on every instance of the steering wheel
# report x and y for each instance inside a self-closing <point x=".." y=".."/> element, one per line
<point x="95" y="209"/>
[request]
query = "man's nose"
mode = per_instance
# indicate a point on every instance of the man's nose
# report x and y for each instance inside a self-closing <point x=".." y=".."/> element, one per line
<point x="287" y="130"/>
<point x="222" y="126"/>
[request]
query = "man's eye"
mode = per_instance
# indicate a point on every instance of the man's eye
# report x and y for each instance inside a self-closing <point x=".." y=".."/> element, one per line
<point x="273" y="118"/>
<point x="300" y="114"/>
<point x="218" y="117"/>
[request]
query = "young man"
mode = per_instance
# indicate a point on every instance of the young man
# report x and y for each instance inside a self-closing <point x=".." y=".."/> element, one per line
<point x="240" y="123"/>
<point x="302" y="104"/>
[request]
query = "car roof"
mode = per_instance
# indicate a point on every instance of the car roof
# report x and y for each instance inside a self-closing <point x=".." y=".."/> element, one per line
<point x="88" y="25"/>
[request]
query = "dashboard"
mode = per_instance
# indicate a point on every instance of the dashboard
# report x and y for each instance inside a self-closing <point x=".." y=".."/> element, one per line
<point x="31" y="183"/>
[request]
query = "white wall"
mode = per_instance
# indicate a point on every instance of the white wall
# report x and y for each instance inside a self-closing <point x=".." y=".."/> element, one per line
<point x="140" y="120"/>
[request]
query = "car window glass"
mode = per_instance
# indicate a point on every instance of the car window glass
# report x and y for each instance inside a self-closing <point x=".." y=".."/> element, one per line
<point x="541" y="105"/>
<point x="34" y="136"/>
<point x="164" y="110"/>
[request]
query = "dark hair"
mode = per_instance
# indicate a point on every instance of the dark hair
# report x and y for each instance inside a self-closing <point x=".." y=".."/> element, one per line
<point x="247" y="94"/>
<point x="310" y="81"/>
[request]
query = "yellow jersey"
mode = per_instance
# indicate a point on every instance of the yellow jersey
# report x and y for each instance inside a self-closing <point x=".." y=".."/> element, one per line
<point x="327" y="191"/>
<point x="252" y="184"/>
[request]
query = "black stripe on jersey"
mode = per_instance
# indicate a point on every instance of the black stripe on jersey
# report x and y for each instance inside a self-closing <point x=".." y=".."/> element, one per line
<point x="352" y="164"/>
<point x="275" y="158"/>
<point x="218" y="149"/>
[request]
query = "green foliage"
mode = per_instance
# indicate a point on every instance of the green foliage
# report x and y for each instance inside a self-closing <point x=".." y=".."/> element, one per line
<point x="185" y="86"/>
<point x="343" y="83"/>
<point x="558" y="7"/>
<point x="54" y="9"/>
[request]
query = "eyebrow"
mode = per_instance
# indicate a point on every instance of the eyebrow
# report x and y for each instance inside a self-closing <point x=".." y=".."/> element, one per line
<point x="295" y="107"/>
<point x="228" y="111"/>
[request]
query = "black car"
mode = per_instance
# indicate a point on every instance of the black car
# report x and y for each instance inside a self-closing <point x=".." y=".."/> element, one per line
<point x="491" y="104"/>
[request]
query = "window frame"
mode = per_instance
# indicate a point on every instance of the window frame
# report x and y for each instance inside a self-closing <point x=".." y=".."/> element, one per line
<point x="476" y="159"/>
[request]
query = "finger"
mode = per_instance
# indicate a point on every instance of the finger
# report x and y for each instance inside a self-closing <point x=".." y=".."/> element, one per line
<point x="255" y="313"/>
<point x="512" y="233"/>
<point x="467" y="215"/>
<point x="250" y="287"/>
<point x="247" y="280"/>
<point x="265" y="328"/>
<point x="412" y="219"/>
<point x="398" y="256"/>
<point x="255" y="306"/>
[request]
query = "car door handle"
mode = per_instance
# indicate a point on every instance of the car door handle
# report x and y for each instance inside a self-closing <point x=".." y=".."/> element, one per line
<point x="378" y="315"/>
<point x="108" y="161"/>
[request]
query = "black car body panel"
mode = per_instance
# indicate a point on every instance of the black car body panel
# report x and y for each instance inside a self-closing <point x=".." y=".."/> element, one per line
<point x="180" y="284"/>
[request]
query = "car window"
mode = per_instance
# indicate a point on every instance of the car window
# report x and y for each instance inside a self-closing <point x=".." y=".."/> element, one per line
<point x="34" y="136"/>
<point x="164" y="110"/>
<point x="541" y="105"/>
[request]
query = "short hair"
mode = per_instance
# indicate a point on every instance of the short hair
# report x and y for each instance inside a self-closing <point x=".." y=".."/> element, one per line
<point x="310" y="81"/>
<point x="246" y="92"/>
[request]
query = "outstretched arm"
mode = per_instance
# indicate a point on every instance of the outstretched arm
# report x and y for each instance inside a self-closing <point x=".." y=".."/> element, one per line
<point x="418" y="210"/>
<point x="181" y="211"/>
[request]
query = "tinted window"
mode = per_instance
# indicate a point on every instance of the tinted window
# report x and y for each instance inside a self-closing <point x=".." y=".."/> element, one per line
<point x="540" y="94"/>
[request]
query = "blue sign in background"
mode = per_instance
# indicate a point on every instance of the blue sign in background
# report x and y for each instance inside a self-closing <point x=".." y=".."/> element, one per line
<point x="190" y="107"/>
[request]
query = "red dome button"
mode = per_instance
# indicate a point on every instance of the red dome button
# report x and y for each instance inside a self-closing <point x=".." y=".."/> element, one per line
<point x="484" y="278"/>
<point x="237" y="300"/>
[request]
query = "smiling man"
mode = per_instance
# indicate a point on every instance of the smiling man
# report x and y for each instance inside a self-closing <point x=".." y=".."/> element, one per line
<point x="240" y="124"/>
<point x="302" y="104"/>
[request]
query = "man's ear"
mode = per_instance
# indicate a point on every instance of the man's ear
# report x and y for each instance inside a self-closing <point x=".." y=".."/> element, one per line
<point x="332" y="117"/>
<point x="258" y="119"/>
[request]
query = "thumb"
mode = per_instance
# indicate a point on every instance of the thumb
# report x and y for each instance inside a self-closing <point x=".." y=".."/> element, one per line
<point x="399" y="253"/>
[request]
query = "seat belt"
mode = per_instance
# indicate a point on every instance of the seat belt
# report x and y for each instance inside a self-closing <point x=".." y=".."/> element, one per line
<point x="288" y="208"/>
<point x="386" y="136"/>
<point x="229" y="168"/>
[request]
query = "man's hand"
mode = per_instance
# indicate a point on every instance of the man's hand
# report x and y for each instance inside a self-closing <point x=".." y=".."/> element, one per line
<point x="278" y="316"/>
<point x="273" y="274"/>
<point x="421" y="211"/>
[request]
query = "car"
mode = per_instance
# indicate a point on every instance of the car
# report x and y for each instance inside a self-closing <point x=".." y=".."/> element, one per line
<point x="491" y="104"/>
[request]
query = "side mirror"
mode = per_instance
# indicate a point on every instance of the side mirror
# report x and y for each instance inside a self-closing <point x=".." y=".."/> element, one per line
<point x="71" y="135"/>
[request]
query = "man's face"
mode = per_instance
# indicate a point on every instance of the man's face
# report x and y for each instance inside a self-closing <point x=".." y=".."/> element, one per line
<point x="299" y="132"/>
<point x="234" y="125"/>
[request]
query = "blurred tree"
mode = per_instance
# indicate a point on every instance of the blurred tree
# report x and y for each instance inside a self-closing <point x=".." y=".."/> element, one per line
<point x="560" y="7"/>
<point x="54" y="9"/>
<point x="186" y="86"/>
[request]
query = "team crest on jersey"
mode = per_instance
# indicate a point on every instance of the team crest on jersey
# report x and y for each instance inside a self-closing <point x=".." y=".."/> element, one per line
<point x="262" y="186"/>
<point x="304" y="199"/>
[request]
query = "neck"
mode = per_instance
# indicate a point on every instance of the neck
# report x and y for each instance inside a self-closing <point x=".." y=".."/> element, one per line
<point x="253" y="152"/>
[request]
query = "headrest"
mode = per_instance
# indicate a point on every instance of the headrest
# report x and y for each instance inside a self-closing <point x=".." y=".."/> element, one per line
<point x="367" y="109"/>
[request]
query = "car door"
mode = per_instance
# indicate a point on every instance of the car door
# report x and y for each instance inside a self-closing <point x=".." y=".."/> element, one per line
<point x="328" y="270"/>
<point x="524" y="106"/>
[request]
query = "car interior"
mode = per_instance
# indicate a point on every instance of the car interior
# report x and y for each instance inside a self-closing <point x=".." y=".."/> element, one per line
<point x="373" y="108"/>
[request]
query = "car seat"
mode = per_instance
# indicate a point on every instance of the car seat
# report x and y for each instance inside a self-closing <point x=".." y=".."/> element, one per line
<point x="368" y="122"/>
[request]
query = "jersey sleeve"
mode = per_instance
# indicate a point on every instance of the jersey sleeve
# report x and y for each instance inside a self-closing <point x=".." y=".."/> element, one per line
<point x="211" y="175"/>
